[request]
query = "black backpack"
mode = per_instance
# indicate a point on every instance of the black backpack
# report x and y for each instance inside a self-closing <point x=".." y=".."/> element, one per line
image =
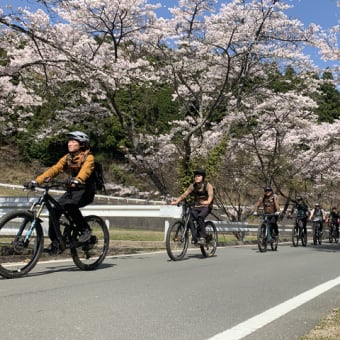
<point x="98" y="176"/>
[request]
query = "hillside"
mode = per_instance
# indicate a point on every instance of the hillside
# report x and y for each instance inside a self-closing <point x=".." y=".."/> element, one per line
<point x="13" y="169"/>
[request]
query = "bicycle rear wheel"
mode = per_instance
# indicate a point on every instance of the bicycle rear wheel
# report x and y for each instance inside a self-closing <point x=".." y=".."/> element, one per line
<point x="20" y="244"/>
<point x="209" y="249"/>
<point x="262" y="238"/>
<point x="89" y="255"/>
<point x="176" y="242"/>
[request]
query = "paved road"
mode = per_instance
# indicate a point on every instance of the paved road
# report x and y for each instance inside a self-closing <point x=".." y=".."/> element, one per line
<point x="146" y="296"/>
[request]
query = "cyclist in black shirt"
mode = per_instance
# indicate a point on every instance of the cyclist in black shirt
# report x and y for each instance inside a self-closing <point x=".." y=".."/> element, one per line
<point x="334" y="218"/>
<point x="203" y="195"/>
<point x="302" y="211"/>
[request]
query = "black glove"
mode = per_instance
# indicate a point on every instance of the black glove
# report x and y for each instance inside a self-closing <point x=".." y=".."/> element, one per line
<point x="71" y="182"/>
<point x="31" y="185"/>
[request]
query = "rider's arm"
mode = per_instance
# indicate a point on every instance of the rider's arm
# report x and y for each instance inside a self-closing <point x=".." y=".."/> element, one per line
<point x="327" y="218"/>
<point x="185" y="194"/>
<point x="53" y="171"/>
<point x="276" y="203"/>
<point x="292" y="210"/>
<point x="210" y="190"/>
<point x="86" y="169"/>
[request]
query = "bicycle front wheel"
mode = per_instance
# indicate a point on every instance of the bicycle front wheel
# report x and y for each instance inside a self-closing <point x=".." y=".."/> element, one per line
<point x="295" y="236"/>
<point x="304" y="237"/>
<point x="89" y="255"/>
<point x="330" y="235"/>
<point x="209" y="249"/>
<point x="21" y="243"/>
<point x="262" y="238"/>
<point x="315" y="235"/>
<point x="176" y="242"/>
<point x="274" y="243"/>
<point x="336" y="235"/>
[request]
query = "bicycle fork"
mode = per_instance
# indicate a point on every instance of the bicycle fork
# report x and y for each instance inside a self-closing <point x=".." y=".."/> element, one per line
<point x="36" y="220"/>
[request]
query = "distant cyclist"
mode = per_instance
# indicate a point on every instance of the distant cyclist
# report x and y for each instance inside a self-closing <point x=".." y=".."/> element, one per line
<point x="334" y="218"/>
<point x="318" y="215"/>
<point x="203" y="195"/>
<point x="270" y="203"/>
<point x="302" y="211"/>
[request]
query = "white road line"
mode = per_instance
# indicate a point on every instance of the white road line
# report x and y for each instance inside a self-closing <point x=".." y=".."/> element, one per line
<point x="251" y="325"/>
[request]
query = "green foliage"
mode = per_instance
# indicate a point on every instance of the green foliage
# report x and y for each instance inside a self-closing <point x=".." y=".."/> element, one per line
<point x="151" y="107"/>
<point x="215" y="157"/>
<point x="47" y="150"/>
<point x="328" y="100"/>
<point x="285" y="82"/>
<point x="120" y="175"/>
<point x="3" y="57"/>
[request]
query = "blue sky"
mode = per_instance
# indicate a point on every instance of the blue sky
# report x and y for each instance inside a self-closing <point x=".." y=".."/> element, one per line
<point x="321" y="12"/>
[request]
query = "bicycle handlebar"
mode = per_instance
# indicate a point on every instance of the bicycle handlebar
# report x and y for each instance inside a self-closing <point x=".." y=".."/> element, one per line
<point x="47" y="185"/>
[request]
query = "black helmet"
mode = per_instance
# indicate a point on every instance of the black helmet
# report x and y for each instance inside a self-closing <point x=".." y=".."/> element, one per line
<point x="200" y="172"/>
<point x="268" y="189"/>
<point x="79" y="136"/>
<point x="299" y="198"/>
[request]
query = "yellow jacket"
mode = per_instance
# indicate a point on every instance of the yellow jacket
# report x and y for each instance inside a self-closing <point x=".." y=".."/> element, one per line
<point x="79" y="166"/>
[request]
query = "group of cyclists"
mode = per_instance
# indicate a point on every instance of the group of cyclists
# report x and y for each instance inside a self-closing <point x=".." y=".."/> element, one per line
<point x="78" y="163"/>
<point x="315" y="215"/>
<point x="270" y="204"/>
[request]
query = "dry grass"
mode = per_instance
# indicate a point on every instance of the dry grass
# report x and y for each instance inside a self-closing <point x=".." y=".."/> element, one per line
<point x="327" y="329"/>
<point x="13" y="169"/>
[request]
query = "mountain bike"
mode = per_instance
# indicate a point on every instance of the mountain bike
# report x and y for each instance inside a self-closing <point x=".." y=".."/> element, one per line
<point x="299" y="233"/>
<point x="317" y="232"/>
<point x="22" y="237"/>
<point x="265" y="234"/>
<point x="178" y="235"/>
<point x="333" y="232"/>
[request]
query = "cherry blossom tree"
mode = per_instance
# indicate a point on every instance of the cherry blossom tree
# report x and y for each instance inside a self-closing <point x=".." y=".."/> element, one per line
<point x="222" y="61"/>
<point x="218" y="60"/>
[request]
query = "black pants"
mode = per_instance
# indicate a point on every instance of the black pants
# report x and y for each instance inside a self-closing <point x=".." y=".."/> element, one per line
<point x="199" y="214"/>
<point x="273" y="223"/>
<point x="71" y="201"/>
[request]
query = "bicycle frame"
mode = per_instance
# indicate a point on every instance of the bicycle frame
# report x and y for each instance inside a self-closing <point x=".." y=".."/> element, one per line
<point x="187" y="218"/>
<point x="269" y="231"/>
<point x="48" y="201"/>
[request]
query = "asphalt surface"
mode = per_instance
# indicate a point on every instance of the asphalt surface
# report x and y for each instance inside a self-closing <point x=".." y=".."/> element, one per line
<point x="147" y="296"/>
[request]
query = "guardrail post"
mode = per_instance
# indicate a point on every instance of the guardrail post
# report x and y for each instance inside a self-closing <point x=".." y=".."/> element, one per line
<point x="166" y="227"/>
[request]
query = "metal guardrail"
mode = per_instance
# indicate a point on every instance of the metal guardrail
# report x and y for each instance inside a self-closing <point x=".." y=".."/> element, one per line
<point x="142" y="210"/>
<point x="165" y="212"/>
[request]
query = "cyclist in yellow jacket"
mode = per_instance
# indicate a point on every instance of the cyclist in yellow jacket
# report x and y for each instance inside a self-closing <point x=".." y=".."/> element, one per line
<point x="78" y="163"/>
